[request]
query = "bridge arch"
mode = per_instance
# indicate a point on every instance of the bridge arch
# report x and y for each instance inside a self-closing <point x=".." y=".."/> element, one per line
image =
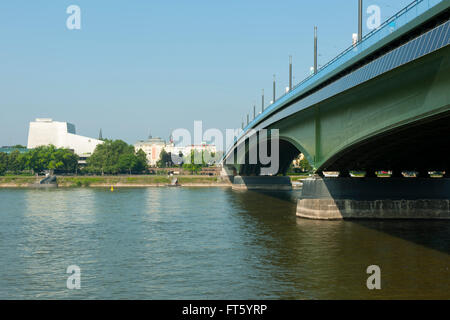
<point x="419" y="146"/>
<point x="288" y="148"/>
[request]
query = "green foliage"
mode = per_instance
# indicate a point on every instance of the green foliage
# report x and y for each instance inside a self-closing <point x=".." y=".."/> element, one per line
<point x="38" y="160"/>
<point x="165" y="160"/>
<point x="3" y="163"/>
<point x="16" y="162"/>
<point x="193" y="168"/>
<point x="305" y="166"/>
<point x="51" y="158"/>
<point x="141" y="161"/>
<point x="116" y="156"/>
<point x="194" y="162"/>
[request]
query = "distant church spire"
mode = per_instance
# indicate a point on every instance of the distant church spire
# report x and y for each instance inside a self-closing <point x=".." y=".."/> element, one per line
<point x="100" y="135"/>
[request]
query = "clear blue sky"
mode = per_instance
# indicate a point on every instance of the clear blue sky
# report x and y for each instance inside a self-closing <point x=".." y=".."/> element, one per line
<point x="138" y="66"/>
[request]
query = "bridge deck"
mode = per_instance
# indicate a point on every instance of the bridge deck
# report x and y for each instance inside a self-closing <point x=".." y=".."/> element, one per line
<point x="403" y="22"/>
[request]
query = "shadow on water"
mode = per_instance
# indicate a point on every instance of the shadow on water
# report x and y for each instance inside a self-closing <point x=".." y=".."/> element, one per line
<point x="433" y="234"/>
<point x="328" y="259"/>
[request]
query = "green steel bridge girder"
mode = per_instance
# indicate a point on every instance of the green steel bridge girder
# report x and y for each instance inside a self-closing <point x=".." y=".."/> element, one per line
<point x="413" y="93"/>
<point x="408" y="94"/>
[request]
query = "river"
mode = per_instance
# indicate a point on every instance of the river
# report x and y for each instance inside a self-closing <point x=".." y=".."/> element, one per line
<point x="208" y="243"/>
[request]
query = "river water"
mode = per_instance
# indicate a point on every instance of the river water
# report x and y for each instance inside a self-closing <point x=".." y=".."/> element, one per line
<point x="200" y="243"/>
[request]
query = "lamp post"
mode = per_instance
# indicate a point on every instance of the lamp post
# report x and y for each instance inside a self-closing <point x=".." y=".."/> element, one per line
<point x="360" y="14"/>
<point x="274" y="85"/>
<point x="290" y="73"/>
<point x="315" y="50"/>
<point x="262" y="101"/>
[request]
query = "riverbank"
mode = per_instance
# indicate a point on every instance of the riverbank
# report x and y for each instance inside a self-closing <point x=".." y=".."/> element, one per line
<point x="121" y="181"/>
<point x="116" y="181"/>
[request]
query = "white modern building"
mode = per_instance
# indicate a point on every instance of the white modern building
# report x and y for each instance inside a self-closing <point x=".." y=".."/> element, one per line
<point x="44" y="132"/>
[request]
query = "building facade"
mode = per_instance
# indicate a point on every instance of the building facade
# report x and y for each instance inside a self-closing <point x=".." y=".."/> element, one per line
<point x="44" y="132"/>
<point x="154" y="146"/>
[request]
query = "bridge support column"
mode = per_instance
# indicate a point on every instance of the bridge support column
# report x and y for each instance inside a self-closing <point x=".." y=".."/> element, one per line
<point x="370" y="173"/>
<point x="374" y="198"/>
<point x="262" y="183"/>
<point x="422" y="173"/>
<point x="344" y="174"/>
<point x="396" y="173"/>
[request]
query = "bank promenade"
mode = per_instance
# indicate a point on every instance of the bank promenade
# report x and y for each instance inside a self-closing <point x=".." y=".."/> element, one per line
<point x="117" y="181"/>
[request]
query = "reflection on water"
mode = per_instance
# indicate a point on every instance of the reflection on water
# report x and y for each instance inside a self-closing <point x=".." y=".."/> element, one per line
<point x="175" y="243"/>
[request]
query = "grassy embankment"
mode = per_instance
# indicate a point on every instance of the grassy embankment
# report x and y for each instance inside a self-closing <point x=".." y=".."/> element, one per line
<point x="105" y="181"/>
<point x="16" y="181"/>
<point x="299" y="177"/>
<point x="122" y="180"/>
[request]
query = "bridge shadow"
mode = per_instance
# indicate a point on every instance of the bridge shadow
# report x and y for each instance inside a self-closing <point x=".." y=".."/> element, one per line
<point x="267" y="207"/>
<point x="433" y="234"/>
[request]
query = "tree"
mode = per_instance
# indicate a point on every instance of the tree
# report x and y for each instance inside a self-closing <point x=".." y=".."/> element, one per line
<point x="38" y="159"/>
<point x="64" y="160"/>
<point x="43" y="158"/>
<point x="116" y="156"/>
<point x="194" y="162"/>
<point x="165" y="160"/>
<point x="141" y="162"/>
<point x="16" y="162"/>
<point x="127" y="162"/>
<point x="105" y="158"/>
<point x="49" y="158"/>
<point x="305" y="166"/>
<point x="3" y="163"/>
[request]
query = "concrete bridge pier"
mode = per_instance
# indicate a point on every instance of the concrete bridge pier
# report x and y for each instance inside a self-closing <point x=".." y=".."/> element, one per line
<point x="268" y="183"/>
<point x="374" y="198"/>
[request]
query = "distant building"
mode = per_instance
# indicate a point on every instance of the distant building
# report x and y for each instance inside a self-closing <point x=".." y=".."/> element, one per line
<point x="296" y="161"/>
<point x="152" y="148"/>
<point x="44" y="132"/>
<point x="186" y="150"/>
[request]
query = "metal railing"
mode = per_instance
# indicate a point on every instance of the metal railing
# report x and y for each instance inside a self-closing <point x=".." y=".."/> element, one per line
<point x="401" y="18"/>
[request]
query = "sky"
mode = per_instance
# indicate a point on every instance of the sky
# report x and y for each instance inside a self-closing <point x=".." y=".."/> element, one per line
<point x="148" y="67"/>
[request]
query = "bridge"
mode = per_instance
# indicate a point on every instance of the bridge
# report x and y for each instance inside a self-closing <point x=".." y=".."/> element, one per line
<point x="382" y="104"/>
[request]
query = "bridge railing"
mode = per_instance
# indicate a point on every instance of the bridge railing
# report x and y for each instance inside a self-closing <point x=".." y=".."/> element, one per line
<point x="401" y="18"/>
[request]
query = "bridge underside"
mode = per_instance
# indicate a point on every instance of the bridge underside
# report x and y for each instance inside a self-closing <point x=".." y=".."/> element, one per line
<point x="396" y="121"/>
<point x="421" y="146"/>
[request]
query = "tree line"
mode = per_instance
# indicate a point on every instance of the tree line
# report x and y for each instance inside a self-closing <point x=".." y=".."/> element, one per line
<point x="190" y="162"/>
<point x="111" y="157"/>
<point x="116" y="156"/>
<point x="39" y="159"/>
